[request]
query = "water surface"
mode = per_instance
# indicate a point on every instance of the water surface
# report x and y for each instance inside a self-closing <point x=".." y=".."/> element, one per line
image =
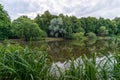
<point x="66" y="49"/>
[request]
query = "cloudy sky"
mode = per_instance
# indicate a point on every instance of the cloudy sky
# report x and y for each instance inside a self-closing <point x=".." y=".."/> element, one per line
<point x="79" y="8"/>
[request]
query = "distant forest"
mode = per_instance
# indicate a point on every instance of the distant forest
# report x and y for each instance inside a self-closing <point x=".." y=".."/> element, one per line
<point x="49" y="25"/>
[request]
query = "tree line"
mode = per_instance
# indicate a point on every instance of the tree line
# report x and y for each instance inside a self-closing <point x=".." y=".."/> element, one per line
<point x="49" y="25"/>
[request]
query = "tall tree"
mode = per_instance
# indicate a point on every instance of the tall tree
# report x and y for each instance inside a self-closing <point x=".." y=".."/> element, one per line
<point x="24" y="28"/>
<point x="44" y="20"/>
<point x="89" y="24"/>
<point x="56" y="28"/>
<point x="76" y="25"/>
<point x="117" y="21"/>
<point x="4" y="24"/>
<point x="103" y="31"/>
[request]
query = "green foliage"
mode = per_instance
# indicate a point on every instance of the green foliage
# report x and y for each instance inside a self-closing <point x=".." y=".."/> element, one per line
<point x="4" y="24"/>
<point x="91" y="35"/>
<point x="116" y="70"/>
<point x="52" y="26"/>
<point x="105" y="67"/>
<point x="117" y="20"/>
<point x="72" y="24"/>
<point x="24" y="28"/>
<point x="89" y="24"/>
<point x="90" y="69"/>
<point x="67" y="26"/>
<point x="18" y="63"/>
<point x="56" y="28"/>
<point x="44" y="20"/>
<point x="78" y="36"/>
<point x="23" y="63"/>
<point x="75" y="24"/>
<point x="69" y="34"/>
<point x="102" y="31"/>
<point x="113" y="28"/>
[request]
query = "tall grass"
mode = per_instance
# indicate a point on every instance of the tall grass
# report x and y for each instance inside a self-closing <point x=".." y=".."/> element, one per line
<point x="23" y="63"/>
<point x="95" y="68"/>
<point x="18" y="63"/>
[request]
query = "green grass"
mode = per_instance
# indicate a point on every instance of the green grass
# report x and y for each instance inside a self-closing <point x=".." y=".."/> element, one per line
<point x="90" y="69"/>
<point x="18" y="63"/>
<point x="23" y="63"/>
<point x="104" y="68"/>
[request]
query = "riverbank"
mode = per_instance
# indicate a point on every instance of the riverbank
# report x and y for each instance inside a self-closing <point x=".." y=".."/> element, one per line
<point x="47" y="39"/>
<point x="50" y="39"/>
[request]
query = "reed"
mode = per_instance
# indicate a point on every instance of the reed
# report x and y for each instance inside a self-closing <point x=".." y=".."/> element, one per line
<point x="23" y="63"/>
<point x="94" y="68"/>
<point x="18" y="63"/>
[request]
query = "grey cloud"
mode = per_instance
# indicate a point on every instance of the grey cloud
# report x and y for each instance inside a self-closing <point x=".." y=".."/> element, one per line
<point x="79" y="8"/>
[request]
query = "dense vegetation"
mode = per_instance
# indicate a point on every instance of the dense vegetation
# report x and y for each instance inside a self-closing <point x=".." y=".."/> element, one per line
<point x="23" y="63"/>
<point x="46" y="24"/>
<point x="19" y="63"/>
<point x="25" y="28"/>
<point x="4" y="24"/>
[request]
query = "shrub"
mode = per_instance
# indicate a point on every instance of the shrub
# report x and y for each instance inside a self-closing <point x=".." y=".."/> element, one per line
<point x="103" y="31"/>
<point x="78" y="36"/>
<point x="91" y="35"/>
<point x="24" y="28"/>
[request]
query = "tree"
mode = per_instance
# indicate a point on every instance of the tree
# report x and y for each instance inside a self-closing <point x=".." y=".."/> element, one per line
<point x="91" y="36"/>
<point x="117" y="21"/>
<point x="56" y="28"/>
<point x="44" y="20"/>
<point x="24" y="28"/>
<point x="75" y="25"/>
<point x="89" y="24"/>
<point x="113" y="28"/>
<point x="78" y="36"/>
<point x="4" y="24"/>
<point x="103" y="31"/>
<point x="38" y="20"/>
<point x="69" y="33"/>
<point x="67" y="25"/>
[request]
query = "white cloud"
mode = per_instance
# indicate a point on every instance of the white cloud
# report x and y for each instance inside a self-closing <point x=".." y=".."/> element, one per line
<point x="79" y="8"/>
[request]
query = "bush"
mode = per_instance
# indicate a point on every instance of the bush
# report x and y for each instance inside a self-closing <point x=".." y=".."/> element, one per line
<point x="78" y="36"/>
<point x="91" y="35"/>
<point x="103" y="31"/>
<point x="24" y="28"/>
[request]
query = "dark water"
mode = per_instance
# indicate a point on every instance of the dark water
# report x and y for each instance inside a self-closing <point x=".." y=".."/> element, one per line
<point x="67" y="49"/>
